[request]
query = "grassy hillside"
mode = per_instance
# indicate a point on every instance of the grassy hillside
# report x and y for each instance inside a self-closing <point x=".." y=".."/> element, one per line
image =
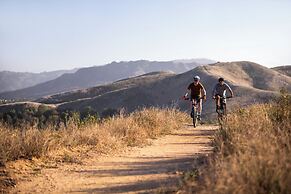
<point x="286" y="70"/>
<point x="23" y="114"/>
<point x="250" y="75"/>
<point x="252" y="83"/>
<point x="252" y="153"/>
<point x="103" y="89"/>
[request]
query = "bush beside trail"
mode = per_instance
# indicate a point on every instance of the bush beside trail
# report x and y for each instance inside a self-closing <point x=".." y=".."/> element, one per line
<point x="105" y="135"/>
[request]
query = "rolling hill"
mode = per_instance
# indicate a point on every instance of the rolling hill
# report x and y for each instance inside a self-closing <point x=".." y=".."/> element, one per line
<point x="10" y="81"/>
<point x="286" y="70"/>
<point x="104" y="89"/>
<point x="97" y="75"/>
<point x="251" y="83"/>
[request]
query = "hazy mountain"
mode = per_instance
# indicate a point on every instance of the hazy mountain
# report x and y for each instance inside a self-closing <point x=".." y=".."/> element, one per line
<point x="97" y="75"/>
<point x="286" y="70"/>
<point x="201" y="61"/>
<point x="104" y="89"/>
<point x="251" y="83"/>
<point x="10" y="81"/>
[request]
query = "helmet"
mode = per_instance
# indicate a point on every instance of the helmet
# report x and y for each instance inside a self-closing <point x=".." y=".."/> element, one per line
<point x="221" y="79"/>
<point x="196" y="77"/>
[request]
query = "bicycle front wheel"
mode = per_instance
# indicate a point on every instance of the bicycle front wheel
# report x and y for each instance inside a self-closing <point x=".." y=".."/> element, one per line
<point x="195" y="119"/>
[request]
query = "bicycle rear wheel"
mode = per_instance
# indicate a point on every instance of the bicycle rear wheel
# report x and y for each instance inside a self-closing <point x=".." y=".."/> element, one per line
<point x="222" y="114"/>
<point x="220" y="119"/>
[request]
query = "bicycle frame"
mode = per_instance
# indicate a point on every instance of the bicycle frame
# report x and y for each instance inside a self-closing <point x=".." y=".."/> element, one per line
<point x="194" y="112"/>
<point x="221" y="112"/>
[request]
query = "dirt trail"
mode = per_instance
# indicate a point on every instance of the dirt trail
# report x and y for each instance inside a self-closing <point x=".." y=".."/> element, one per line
<point x="146" y="169"/>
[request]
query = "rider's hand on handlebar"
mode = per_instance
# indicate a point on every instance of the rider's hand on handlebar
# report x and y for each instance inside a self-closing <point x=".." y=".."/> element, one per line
<point x="185" y="98"/>
<point x="204" y="98"/>
<point x="213" y="97"/>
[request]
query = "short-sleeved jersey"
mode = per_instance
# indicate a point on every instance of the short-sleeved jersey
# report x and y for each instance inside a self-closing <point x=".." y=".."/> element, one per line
<point x="221" y="89"/>
<point x="196" y="90"/>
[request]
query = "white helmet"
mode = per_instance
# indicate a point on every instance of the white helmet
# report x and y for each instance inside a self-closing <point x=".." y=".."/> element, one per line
<point x="196" y="77"/>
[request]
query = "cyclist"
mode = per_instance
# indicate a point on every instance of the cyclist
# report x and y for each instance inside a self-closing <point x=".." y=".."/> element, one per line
<point x="219" y="92"/>
<point x="197" y="94"/>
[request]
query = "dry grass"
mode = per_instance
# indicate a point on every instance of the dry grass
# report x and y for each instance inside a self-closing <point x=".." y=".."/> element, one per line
<point x="111" y="134"/>
<point x="70" y="144"/>
<point x="253" y="153"/>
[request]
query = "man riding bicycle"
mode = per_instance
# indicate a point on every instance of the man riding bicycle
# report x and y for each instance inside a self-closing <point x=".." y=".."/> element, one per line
<point x="219" y="93"/>
<point x="197" y="94"/>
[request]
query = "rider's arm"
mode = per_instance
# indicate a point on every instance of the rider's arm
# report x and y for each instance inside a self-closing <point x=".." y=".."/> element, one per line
<point x="229" y="89"/>
<point x="203" y="91"/>
<point x="188" y="91"/>
<point x="214" y="91"/>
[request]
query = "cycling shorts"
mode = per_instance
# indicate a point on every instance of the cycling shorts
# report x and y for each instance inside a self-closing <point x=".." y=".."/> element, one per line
<point x="196" y="98"/>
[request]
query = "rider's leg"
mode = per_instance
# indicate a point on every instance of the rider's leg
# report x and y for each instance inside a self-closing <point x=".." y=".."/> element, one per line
<point x="217" y="102"/>
<point x="199" y="108"/>
<point x="191" y="103"/>
<point x="224" y="108"/>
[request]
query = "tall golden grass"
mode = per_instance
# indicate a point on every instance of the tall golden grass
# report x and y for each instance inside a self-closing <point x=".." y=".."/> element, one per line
<point x="110" y="134"/>
<point x="252" y="152"/>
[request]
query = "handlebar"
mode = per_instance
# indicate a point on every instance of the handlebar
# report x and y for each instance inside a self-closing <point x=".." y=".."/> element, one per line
<point x="187" y="98"/>
<point x="228" y="97"/>
<point x="224" y="97"/>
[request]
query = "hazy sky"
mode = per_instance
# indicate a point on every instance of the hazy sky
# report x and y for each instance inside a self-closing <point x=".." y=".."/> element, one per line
<point x="62" y="34"/>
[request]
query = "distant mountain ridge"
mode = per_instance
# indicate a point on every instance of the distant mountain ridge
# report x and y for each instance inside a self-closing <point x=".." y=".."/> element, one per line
<point x="97" y="75"/>
<point x="10" y="81"/>
<point x="107" y="88"/>
<point x="202" y="61"/>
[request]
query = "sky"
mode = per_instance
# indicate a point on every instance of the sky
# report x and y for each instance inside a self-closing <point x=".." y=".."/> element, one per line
<point x="46" y="35"/>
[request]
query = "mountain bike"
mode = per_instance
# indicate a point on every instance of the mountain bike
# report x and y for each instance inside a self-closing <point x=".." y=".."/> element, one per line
<point x="194" y="113"/>
<point x="221" y="109"/>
